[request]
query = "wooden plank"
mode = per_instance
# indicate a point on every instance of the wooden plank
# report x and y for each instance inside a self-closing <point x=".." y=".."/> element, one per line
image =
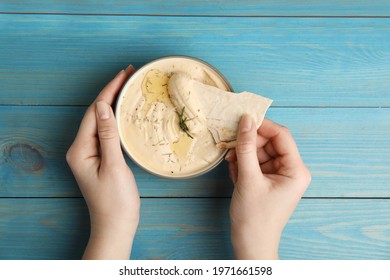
<point x="338" y="229"/>
<point x="33" y="143"/>
<point x="346" y="149"/>
<point x="43" y="228"/>
<point x="196" y="229"/>
<point x="204" y="7"/>
<point x="66" y="60"/>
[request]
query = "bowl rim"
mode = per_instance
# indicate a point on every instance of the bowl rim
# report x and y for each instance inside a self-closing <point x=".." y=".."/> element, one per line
<point x="117" y="109"/>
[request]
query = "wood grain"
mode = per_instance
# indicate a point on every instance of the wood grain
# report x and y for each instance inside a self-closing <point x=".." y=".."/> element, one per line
<point x="338" y="229"/>
<point x="347" y="151"/>
<point x="66" y="60"/>
<point x="196" y="229"/>
<point x="325" y="63"/>
<point x="204" y="7"/>
<point x="43" y="228"/>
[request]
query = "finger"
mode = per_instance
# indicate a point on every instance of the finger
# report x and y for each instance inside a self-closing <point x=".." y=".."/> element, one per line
<point x="85" y="144"/>
<point x="282" y="142"/>
<point x="270" y="167"/>
<point x="232" y="167"/>
<point x="246" y="150"/>
<point x="283" y="148"/>
<point x="270" y="150"/>
<point x="231" y="155"/>
<point x="263" y="156"/>
<point x="231" y="158"/>
<point x="111" y="90"/>
<point x="111" y="153"/>
<point x="88" y="127"/>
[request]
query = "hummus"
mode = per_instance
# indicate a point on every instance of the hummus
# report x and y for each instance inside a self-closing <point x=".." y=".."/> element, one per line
<point x="151" y="126"/>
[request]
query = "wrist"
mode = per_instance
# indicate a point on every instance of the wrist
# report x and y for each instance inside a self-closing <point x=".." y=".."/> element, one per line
<point x="255" y="244"/>
<point x="110" y="239"/>
<point x="109" y="244"/>
<point x="106" y="226"/>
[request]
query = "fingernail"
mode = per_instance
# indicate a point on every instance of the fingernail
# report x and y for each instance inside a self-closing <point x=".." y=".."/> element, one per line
<point x="103" y="110"/>
<point x="130" y="68"/>
<point x="229" y="154"/>
<point x="120" y="72"/>
<point x="246" y="123"/>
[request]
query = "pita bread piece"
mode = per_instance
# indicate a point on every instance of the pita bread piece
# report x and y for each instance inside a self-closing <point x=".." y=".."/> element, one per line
<point x="220" y="111"/>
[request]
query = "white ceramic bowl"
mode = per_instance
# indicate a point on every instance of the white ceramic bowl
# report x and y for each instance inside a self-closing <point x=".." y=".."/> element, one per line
<point x="135" y="143"/>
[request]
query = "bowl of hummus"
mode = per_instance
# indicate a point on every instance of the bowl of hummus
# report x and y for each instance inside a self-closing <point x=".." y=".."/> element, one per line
<point x="161" y="124"/>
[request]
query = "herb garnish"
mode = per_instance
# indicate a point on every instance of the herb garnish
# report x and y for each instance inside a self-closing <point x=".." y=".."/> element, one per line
<point x="182" y="123"/>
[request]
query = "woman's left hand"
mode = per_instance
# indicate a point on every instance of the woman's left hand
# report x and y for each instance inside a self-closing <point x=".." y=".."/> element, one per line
<point x="104" y="178"/>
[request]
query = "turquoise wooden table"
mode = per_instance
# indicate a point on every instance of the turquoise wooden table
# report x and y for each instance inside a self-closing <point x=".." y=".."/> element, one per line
<point x="326" y="64"/>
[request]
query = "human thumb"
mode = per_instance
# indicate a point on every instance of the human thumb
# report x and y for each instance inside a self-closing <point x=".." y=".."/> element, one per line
<point x="107" y="128"/>
<point x="246" y="151"/>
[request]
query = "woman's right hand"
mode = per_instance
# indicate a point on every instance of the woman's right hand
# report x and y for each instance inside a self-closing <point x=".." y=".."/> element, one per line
<point x="269" y="179"/>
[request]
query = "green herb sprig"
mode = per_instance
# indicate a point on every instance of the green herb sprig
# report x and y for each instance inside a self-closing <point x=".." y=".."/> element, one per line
<point x="182" y="123"/>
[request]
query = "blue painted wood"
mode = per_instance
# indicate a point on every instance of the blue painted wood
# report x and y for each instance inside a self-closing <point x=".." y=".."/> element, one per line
<point x="339" y="229"/>
<point x="205" y="7"/>
<point x="196" y="229"/>
<point x="43" y="228"/>
<point x="66" y="60"/>
<point x="296" y="52"/>
<point x="33" y="148"/>
<point x="347" y="151"/>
